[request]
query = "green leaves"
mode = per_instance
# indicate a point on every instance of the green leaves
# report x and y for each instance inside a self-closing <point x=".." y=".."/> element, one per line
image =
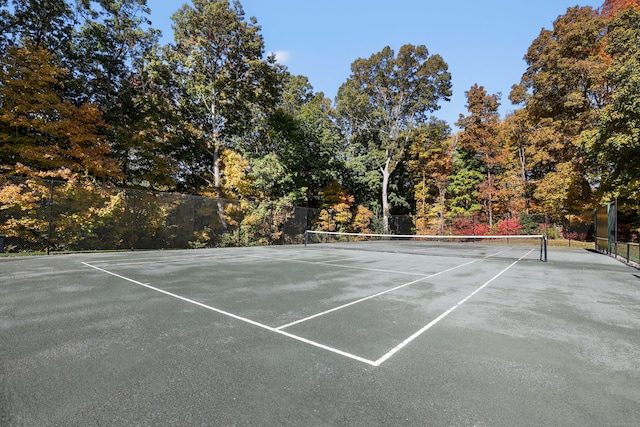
<point x="613" y="145"/>
<point x="385" y="98"/>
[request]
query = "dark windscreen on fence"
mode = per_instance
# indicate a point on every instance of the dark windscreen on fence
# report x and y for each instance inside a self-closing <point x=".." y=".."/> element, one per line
<point x="604" y="227"/>
<point x="39" y="215"/>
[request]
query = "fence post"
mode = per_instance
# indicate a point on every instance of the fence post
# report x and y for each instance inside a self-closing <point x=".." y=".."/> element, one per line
<point x="546" y="226"/>
<point x="193" y="215"/>
<point x="133" y="217"/>
<point x="473" y="224"/>
<point x="50" y="219"/>
<point x="595" y="229"/>
<point x="628" y="252"/>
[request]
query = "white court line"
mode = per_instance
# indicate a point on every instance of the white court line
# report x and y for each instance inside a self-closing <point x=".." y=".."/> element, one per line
<point x="373" y="296"/>
<point x="443" y="315"/>
<point x="146" y="285"/>
<point x="353" y="267"/>
<point x="234" y="316"/>
<point x="143" y="261"/>
<point x="334" y="264"/>
<point x="279" y="330"/>
<point x="385" y="291"/>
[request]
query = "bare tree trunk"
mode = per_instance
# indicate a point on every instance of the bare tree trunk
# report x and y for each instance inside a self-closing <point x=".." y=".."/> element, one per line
<point x="523" y="177"/>
<point x="217" y="185"/>
<point x="217" y="174"/>
<point x="442" y="199"/>
<point x="385" y="195"/>
<point x="490" y="200"/>
<point x="424" y="203"/>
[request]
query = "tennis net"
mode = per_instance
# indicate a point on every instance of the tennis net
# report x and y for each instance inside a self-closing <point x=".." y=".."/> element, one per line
<point x="532" y="247"/>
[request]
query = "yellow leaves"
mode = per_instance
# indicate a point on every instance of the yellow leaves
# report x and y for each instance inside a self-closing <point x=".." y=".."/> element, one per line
<point x="335" y="218"/>
<point x="9" y="194"/>
<point x="236" y="181"/>
<point x="263" y="223"/>
<point x="336" y="194"/>
<point x="339" y="213"/>
<point x="362" y="220"/>
<point x="556" y="187"/>
<point x="115" y="203"/>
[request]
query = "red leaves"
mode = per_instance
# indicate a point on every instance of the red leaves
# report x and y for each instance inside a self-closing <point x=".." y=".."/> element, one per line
<point x="611" y="7"/>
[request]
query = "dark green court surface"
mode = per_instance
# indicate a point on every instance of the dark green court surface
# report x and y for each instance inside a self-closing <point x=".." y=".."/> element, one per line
<point x="319" y="336"/>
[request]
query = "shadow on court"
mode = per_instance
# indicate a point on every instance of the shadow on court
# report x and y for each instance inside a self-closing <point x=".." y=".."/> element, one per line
<point x="318" y="336"/>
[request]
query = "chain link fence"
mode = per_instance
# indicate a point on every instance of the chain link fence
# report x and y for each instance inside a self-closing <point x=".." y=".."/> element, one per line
<point x="578" y="226"/>
<point x="480" y="224"/>
<point x="45" y="215"/>
<point x="618" y="231"/>
<point x="38" y="215"/>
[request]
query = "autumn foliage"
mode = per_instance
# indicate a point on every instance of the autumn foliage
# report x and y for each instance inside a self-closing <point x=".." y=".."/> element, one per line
<point x="611" y="7"/>
<point x="41" y="131"/>
<point x="340" y="212"/>
<point x="90" y="98"/>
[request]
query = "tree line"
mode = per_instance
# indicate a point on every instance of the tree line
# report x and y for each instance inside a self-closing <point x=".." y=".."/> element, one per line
<point x="88" y="94"/>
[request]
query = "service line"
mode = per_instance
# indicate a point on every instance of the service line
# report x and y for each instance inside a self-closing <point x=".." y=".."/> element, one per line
<point x="235" y="316"/>
<point x="404" y="343"/>
<point x="374" y="295"/>
<point x="385" y="291"/>
<point x="280" y="331"/>
<point x="335" y="264"/>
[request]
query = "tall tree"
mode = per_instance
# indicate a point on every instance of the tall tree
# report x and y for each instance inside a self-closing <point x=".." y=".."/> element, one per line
<point x="517" y="129"/>
<point x="307" y="140"/>
<point x="384" y="99"/>
<point x="103" y="42"/>
<point x="227" y="88"/>
<point x="113" y="43"/>
<point x="430" y="165"/>
<point x="561" y="90"/>
<point x="152" y="137"/>
<point x="481" y="139"/>
<point x="463" y="183"/>
<point x="613" y="145"/>
<point x="39" y="130"/>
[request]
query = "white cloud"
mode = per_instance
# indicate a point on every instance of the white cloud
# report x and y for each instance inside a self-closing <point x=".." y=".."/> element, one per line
<point x="282" y="56"/>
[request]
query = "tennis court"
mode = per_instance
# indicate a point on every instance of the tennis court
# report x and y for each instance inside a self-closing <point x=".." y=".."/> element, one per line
<point x="321" y="335"/>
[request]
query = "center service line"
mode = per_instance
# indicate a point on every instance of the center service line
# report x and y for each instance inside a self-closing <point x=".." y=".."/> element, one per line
<point x="340" y="307"/>
<point x="234" y="316"/>
<point x="384" y="292"/>
<point x="443" y="315"/>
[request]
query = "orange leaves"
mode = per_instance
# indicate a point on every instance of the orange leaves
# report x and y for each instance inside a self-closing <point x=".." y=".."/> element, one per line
<point x="40" y="129"/>
<point x="339" y="214"/>
<point x="611" y="7"/>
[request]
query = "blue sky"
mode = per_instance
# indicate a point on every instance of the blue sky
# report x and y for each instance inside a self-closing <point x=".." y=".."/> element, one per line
<point x="483" y="42"/>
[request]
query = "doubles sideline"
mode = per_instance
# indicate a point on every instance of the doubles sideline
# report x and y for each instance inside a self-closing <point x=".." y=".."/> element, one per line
<point x="280" y="330"/>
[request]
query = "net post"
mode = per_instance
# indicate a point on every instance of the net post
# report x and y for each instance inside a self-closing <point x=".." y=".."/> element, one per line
<point x="543" y="249"/>
<point x="306" y="238"/>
